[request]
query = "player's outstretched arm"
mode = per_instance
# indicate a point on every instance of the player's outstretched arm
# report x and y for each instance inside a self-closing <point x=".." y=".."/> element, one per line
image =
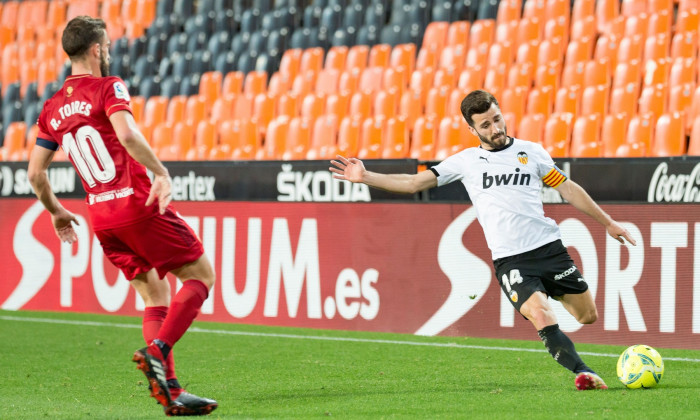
<point x="579" y="198"/>
<point x="135" y="143"/>
<point x="353" y="170"/>
<point x="61" y="218"/>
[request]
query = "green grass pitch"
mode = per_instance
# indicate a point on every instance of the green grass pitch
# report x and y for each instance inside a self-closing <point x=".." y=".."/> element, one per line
<point x="78" y="366"/>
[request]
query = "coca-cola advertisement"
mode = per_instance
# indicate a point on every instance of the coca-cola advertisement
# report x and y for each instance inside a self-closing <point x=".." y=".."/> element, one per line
<point x="393" y="267"/>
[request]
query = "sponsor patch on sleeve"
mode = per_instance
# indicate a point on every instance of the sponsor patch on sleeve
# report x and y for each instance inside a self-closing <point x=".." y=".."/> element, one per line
<point x="121" y="92"/>
<point x="554" y="177"/>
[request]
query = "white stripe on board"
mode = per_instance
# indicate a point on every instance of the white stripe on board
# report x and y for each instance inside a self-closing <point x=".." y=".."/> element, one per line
<point x="316" y="337"/>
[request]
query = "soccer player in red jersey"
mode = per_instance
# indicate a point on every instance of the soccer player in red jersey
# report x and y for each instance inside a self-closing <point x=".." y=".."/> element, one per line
<point x="139" y="230"/>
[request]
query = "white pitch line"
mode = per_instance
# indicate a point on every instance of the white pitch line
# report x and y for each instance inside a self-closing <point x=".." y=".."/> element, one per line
<point x="316" y="337"/>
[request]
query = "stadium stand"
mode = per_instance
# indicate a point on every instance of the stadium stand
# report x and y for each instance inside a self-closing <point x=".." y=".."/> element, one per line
<point x="301" y="79"/>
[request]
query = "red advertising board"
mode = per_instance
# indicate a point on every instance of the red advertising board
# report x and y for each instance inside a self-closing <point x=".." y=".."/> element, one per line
<point x="408" y="268"/>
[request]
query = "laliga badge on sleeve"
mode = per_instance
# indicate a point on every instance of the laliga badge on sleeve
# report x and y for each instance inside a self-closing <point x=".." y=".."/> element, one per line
<point x="121" y="92"/>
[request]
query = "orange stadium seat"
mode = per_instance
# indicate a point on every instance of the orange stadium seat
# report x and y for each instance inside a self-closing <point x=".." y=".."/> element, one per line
<point x="423" y="140"/>
<point x="263" y="110"/>
<point x="175" y="110"/>
<point x="531" y="127"/>
<point x="548" y="75"/>
<point x="436" y="102"/>
<point x="653" y="100"/>
<point x="680" y="99"/>
<point x="585" y="137"/>
<point x="324" y="138"/>
<point x="641" y="130"/>
<point x="637" y="25"/>
<point x="255" y="82"/>
<point x="427" y="59"/>
<point x="196" y="109"/>
<point x="205" y="138"/>
<point x="656" y="47"/>
<point x="529" y="29"/>
<point x="312" y="106"/>
<point x="694" y="143"/>
<point x="683" y="71"/>
<point x="14" y="146"/>
<point x="471" y="78"/>
<point x="338" y="104"/>
<point x="574" y="75"/>
<point x="687" y="21"/>
<point x="607" y="46"/>
<point x="558" y="27"/>
<point x="657" y="72"/>
<point x="613" y="133"/>
<point x="540" y="101"/>
<point x="242" y="135"/>
<point x="371" y="79"/>
<point x="403" y="55"/>
<point x="631" y="48"/>
<point x="395" y="144"/>
<point x="495" y="80"/>
<point x="357" y="57"/>
<point x="453" y="56"/>
<point x="628" y="73"/>
<point x="669" y="136"/>
<point x="557" y="134"/>
<point x="606" y="11"/>
<point x="508" y="11"/>
<point x="581" y="9"/>
<point x="335" y="58"/>
<point x="444" y="77"/>
<point x="155" y="111"/>
<point x="56" y="13"/>
<point x="395" y="78"/>
<point x="624" y="100"/>
<point x="349" y="80"/>
<point x="584" y="28"/>
<point x="684" y="45"/>
<point x="458" y="33"/>
<point x="594" y="101"/>
<point x="482" y="31"/>
<point x="506" y="32"/>
<point x="660" y="23"/>
<point x="290" y="63"/>
<point x="275" y="138"/>
<point x="311" y="60"/>
<point x="386" y="103"/>
<point x="287" y="104"/>
<point x="298" y="139"/>
<point x="327" y="81"/>
<point x="534" y="9"/>
<point x="580" y="50"/>
<point x="379" y="55"/>
<point x="556" y="8"/>
<point x="453" y="136"/>
<point x="233" y="83"/>
<point x="278" y="84"/>
<point x="161" y="138"/>
<point x="435" y="36"/>
<point x="410" y="106"/>
<point x="243" y="107"/>
<point x="551" y="51"/>
<point x="361" y="104"/>
<point x="527" y="53"/>
<point x="654" y="6"/>
<point x="221" y="110"/>
<point x="210" y="86"/>
<point x="145" y="12"/>
<point x="521" y="75"/>
<point x="371" y="139"/>
<point x="568" y="99"/>
<point x="349" y="136"/>
<point x="500" y="53"/>
<point x="514" y="101"/>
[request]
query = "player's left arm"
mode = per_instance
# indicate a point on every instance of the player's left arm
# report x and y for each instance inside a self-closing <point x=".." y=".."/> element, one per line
<point x="579" y="198"/>
<point x="61" y="218"/>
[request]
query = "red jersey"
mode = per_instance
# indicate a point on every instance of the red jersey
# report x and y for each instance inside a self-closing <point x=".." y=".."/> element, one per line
<point x="77" y="118"/>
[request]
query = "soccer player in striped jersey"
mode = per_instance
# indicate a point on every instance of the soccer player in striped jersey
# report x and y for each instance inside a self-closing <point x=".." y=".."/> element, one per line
<point x="504" y="177"/>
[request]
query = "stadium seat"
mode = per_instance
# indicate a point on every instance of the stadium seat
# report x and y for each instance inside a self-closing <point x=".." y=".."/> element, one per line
<point x="585" y="136"/>
<point x="287" y="104"/>
<point x="436" y="102"/>
<point x="631" y="48"/>
<point x="371" y="138"/>
<point x="607" y="46"/>
<point x="613" y="133"/>
<point x="458" y="33"/>
<point x="13" y="148"/>
<point x="624" y="100"/>
<point x="628" y="73"/>
<point x="514" y="101"/>
<point x="687" y="20"/>
<point x="297" y="140"/>
<point x="275" y="139"/>
<point x="424" y="134"/>
<point x="196" y="110"/>
<point x="519" y="75"/>
<point x="453" y="136"/>
<point x="653" y="100"/>
<point x="233" y="83"/>
<point x="508" y="11"/>
<point x="531" y="127"/>
<point x="349" y="135"/>
<point x="583" y="28"/>
<point x="594" y="101"/>
<point x="568" y="99"/>
<point x="395" y="142"/>
<point x="656" y="47"/>
<point x="243" y="139"/>
<point x="324" y="138"/>
<point x="680" y="99"/>
<point x="488" y="9"/>
<point x="551" y="51"/>
<point x="161" y="139"/>
<point x="540" y="101"/>
<point x="263" y="110"/>
<point x="507" y="32"/>
<point x="641" y="130"/>
<point x="155" y="111"/>
<point x="557" y="134"/>
<point x="694" y="143"/>
<point x="548" y="75"/>
<point x="482" y="32"/>
<point x="669" y="136"/>
<point x="606" y="11"/>
<point x="683" y="71"/>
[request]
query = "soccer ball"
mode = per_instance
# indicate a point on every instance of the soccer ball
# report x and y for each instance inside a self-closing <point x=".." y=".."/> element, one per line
<point x="640" y="366"/>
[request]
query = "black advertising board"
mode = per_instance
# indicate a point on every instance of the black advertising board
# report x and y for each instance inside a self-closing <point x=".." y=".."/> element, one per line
<point x="629" y="180"/>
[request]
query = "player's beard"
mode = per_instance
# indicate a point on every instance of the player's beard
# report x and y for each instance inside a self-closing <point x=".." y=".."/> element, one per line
<point x="496" y="141"/>
<point x="104" y="65"/>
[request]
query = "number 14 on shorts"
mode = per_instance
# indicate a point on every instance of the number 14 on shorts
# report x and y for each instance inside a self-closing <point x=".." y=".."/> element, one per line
<point x="511" y="279"/>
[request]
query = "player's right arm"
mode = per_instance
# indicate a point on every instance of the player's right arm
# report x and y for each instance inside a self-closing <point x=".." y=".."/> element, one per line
<point x="61" y="218"/>
<point x="353" y="170"/>
<point x="136" y="145"/>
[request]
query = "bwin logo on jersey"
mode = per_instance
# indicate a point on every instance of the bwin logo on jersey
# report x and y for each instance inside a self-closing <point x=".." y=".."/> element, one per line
<point x="506" y="179"/>
<point x="522" y="158"/>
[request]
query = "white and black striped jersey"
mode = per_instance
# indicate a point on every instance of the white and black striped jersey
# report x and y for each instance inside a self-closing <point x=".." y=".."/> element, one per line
<point x="504" y="185"/>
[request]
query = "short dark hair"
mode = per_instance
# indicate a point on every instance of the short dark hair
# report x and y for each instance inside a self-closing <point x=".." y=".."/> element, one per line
<point x="80" y="33"/>
<point x="477" y="102"/>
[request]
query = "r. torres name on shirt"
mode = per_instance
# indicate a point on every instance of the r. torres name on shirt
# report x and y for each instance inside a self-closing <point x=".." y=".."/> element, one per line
<point x="505" y="179"/>
<point x="70" y="109"/>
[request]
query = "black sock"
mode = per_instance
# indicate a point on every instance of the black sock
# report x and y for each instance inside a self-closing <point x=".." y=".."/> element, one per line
<point x="164" y="348"/>
<point x="562" y="349"/>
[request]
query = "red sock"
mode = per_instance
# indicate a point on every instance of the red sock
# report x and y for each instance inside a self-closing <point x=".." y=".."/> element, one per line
<point x="153" y="318"/>
<point x="183" y="310"/>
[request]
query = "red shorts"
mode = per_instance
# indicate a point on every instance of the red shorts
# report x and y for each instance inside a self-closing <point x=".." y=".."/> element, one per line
<point x="165" y="242"/>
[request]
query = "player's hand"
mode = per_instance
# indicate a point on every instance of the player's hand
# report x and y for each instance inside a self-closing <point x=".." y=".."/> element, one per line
<point x="161" y="188"/>
<point x="63" y="224"/>
<point x="618" y="232"/>
<point x="348" y="169"/>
